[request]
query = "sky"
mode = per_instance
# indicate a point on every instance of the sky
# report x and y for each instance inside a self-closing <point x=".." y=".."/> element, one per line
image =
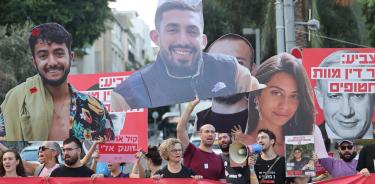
<point x="145" y="8"/>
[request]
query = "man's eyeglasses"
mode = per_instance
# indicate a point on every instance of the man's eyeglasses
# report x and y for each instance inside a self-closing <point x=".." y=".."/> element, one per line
<point x="350" y="147"/>
<point x="44" y="148"/>
<point x="68" y="149"/>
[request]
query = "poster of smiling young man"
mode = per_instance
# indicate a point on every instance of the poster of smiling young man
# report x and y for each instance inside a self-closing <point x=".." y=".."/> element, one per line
<point x="181" y="71"/>
<point x="343" y="81"/>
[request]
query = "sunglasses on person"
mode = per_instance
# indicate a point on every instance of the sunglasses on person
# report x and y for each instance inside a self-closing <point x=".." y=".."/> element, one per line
<point x="44" y="148"/>
<point x="350" y="147"/>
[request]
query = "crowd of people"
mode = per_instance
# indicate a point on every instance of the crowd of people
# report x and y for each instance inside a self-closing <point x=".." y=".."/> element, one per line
<point x="183" y="160"/>
<point x="249" y="105"/>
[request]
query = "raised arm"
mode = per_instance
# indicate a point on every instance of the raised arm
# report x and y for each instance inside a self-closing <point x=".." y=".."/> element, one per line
<point x="138" y="170"/>
<point x="95" y="157"/>
<point x="89" y="153"/>
<point x="182" y="133"/>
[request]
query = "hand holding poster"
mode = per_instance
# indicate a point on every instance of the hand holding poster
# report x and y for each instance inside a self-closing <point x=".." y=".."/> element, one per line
<point x="299" y="155"/>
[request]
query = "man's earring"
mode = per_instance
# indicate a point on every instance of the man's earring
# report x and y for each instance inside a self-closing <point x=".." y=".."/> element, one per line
<point x="257" y="107"/>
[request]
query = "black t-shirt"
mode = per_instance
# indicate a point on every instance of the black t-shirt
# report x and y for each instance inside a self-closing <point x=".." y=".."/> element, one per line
<point x="223" y="123"/>
<point x="237" y="175"/>
<point x="64" y="171"/>
<point x="121" y="175"/>
<point x="298" y="165"/>
<point x="184" y="173"/>
<point x="276" y="174"/>
<point x="366" y="158"/>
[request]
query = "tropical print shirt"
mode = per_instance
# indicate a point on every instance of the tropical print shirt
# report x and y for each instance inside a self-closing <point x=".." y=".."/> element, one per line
<point x="88" y="120"/>
<point x="2" y="125"/>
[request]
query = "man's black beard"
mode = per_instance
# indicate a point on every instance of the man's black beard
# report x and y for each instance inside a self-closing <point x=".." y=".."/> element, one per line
<point x="72" y="161"/>
<point x="57" y="82"/>
<point x="225" y="149"/>
<point x="181" y="71"/>
<point x="230" y="99"/>
<point x="352" y="156"/>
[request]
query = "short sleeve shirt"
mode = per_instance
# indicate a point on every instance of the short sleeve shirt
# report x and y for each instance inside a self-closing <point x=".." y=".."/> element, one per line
<point x="209" y="165"/>
<point x="184" y="173"/>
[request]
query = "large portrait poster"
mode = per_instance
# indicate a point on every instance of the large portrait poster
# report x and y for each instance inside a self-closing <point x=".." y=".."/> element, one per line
<point x="344" y="87"/>
<point x="130" y="127"/>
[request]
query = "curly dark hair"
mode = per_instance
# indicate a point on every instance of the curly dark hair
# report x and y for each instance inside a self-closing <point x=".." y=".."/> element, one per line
<point x="154" y="155"/>
<point x="50" y="32"/>
<point x="270" y="134"/>
<point x="19" y="169"/>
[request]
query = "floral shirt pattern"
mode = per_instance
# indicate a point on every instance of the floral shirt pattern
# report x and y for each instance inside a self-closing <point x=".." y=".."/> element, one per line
<point x="88" y="120"/>
<point x="2" y="125"/>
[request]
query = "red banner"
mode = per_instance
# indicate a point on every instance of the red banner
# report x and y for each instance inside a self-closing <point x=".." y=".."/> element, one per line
<point x="39" y="180"/>
<point x="356" y="179"/>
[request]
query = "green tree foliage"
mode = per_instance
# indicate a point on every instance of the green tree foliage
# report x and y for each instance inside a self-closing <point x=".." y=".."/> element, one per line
<point x="15" y="57"/>
<point x="85" y="19"/>
<point x="339" y="22"/>
<point x="268" y="32"/>
<point x="369" y="14"/>
<point x="223" y="16"/>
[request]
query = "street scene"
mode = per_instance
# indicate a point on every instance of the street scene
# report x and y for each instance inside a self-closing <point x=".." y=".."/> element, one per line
<point x="187" y="91"/>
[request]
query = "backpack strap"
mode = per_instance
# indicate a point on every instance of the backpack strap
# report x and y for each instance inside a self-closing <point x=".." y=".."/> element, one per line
<point x="38" y="170"/>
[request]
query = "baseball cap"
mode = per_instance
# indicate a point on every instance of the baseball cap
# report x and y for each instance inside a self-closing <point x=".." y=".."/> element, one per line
<point x="344" y="140"/>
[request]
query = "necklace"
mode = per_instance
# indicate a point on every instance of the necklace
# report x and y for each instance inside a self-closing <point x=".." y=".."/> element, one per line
<point x="200" y="66"/>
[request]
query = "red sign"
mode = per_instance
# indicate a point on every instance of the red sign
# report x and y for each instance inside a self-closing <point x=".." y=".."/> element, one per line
<point x="353" y="79"/>
<point x="130" y="127"/>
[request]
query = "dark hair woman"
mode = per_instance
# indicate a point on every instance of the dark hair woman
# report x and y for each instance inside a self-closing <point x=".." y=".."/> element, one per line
<point x="285" y="106"/>
<point x="11" y="164"/>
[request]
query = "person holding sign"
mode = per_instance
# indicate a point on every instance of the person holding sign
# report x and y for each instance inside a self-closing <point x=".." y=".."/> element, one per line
<point x="153" y="161"/>
<point x="268" y="167"/>
<point x="346" y="165"/>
